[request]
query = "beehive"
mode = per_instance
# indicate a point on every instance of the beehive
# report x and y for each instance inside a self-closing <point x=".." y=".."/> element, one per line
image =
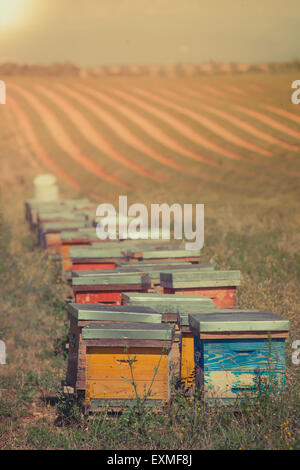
<point x="91" y="258"/>
<point x="238" y="352"/>
<point x="168" y="305"/>
<point x="154" y="269"/>
<point x="81" y="315"/>
<point x="111" y="348"/>
<point x="218" y="285"/>
<point x="34" y="206"/>
<point x="107" y="288"/>
<point x="68" y="239"/>
<point x="49" y="233"/>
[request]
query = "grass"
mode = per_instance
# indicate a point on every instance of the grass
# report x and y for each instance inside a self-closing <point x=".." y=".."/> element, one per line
<point x="251" y="225"/>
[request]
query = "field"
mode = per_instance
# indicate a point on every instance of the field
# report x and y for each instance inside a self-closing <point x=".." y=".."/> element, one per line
<point x="229" y="141"/>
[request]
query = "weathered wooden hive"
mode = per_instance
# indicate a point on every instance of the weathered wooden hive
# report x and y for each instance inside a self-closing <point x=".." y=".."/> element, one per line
<point x="33" y="207"/>
<point x="152" y="269"/>
<point x="91" y="258"/>
<point x="49" y="233"/>
<point x="238" y="352"/>
<point x="118" y="354"/>
<point x="108" y="288"/>
<point x="218" y="285"/>
<point x="81" y="315"/>
<point x="82" y="237"/>
<point x="169" y="304"/>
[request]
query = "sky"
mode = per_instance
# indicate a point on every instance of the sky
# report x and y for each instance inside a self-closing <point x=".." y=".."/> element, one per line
<point x="96" y="32"/>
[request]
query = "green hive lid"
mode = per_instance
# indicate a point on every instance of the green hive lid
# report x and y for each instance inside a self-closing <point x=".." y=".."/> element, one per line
<point x="210" y="278"/>
<point x="169" y="303"/>
<point x="62" y="202"/>
<point x="170" y="254"/>
<point x="140" y="297"/>
<point x="134" y="331"/>
<point x="202" y="310"/>
<point x="85" y="233"/>
<point x="116" y="313"/>
<point x="104" y="279"/>
<point x="61" y="215"/>
<point x="238" y="321"/>
<point x="88" y="252"/>
<point x="59" y="226"/>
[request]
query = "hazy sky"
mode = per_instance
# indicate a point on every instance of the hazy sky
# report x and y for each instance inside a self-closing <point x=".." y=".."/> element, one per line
<point x="91" y="32"/>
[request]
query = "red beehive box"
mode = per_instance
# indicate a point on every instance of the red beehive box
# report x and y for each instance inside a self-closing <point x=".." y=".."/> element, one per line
<point x="108" y="288"/>
<point x="93" y="258"/>
<point x="218" y="285"/>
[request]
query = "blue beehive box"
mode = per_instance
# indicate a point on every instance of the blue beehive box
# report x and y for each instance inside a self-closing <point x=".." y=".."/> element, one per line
<point x="238" y="352"/>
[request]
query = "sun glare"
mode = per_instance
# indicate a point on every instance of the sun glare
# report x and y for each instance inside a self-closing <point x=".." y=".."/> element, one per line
<point x="12" y="12"/>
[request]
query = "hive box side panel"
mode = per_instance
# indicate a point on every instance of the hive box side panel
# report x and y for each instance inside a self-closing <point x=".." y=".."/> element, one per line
<point x="108" y="373"/>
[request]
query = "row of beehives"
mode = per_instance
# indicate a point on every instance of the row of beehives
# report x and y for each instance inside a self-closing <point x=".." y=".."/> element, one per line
<point x="128" y="321"/>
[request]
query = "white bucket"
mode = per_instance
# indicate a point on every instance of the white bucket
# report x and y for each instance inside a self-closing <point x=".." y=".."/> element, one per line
<point x="45" y="188"/>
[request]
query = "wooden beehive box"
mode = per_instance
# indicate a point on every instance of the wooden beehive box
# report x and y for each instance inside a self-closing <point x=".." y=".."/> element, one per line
<point x="109" y="350"/>
<point x="218" y="285"/>
<point x="147" y="254"/>
<point x="238" y="352"/>
<point x="91" y="258"/>
<point x="49" y="233"/>
<point x="60" y="216"/>
<point x="68" y="239"/>
<point x="108" y="288"/>
<point x="169" y="304"/>
<point x="81" y="315"/>
<point x="155" y="269"/>
<point x="33" y="207"/>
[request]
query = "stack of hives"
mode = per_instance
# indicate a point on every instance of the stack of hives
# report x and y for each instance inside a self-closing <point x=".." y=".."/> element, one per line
<point x="147" y="312"/>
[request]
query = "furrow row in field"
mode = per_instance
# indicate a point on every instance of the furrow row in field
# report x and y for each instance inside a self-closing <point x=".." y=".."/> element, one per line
<point x="63" y="139"/>
<point x="277" y="168"/>
<point x="211" y="125"/>
<point x="28" y="132"/>
<point x="240" y="123"/>
<point x="259" y="115"/>
<point x="120" y="130"/>
<point x="91" y="134"/>
<point x="283" y="112"/>
<point x="124" y="133"/>
<point x="180" y="127"/>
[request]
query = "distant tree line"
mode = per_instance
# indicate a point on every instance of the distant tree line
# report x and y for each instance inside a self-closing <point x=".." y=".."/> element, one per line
<point x="70" y="69"/>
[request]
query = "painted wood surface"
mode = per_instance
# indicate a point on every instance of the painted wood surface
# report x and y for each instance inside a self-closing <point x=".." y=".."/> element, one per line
<point x="251" y="321"/>
<point x="59" y="226"/>
<point x="187" y="359"/>
<point x="87" y="234"/>
<point x="128" y="331"/>
<point x="91" y="252"/>
<point x="169" y="254"/>
<point x="240" y="354"/>
<point x="62" y="216"/>
<point x="145" y="298"/>
<point x="223" y="297"/>
<point x="114" y="313"/>
<point x="231" y="385"/>
<point x="108" y="373"/>
<point x="101" y="266"/>
<point x="109" y="279"/>
<point x="106" y="297"/>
